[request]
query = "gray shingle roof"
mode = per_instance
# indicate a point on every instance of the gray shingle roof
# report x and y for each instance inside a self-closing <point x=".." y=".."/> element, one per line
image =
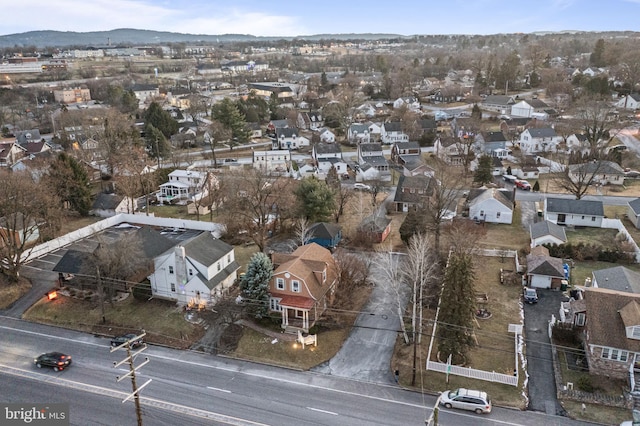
<point x="545" y="265"/>
<point x="618" y="278"/>
<point x="635" y="205"/>
<point x="581" y="207"/>
<point x="543" y="132"/>
<point x="545" y="227"/>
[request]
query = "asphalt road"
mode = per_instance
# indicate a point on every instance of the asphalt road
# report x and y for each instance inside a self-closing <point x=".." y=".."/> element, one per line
<point x="222" y="391"/>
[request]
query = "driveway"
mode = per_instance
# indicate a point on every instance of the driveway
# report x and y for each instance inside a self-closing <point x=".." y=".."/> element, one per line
<point x="542" y="387"/>
<point x="366" y="354"/>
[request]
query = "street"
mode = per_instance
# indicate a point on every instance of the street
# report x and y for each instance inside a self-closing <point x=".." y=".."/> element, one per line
<point x="211" y="389"/>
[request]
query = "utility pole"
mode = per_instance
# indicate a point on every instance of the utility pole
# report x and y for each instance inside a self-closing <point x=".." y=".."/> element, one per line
<point x="132" y="372"/>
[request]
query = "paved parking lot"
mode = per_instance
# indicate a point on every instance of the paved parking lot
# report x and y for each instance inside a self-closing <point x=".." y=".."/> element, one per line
<point x="542" y="388"/>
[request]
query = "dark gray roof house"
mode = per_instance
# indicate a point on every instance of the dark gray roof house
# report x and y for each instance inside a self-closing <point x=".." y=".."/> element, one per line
<point x="618" y="278"/>
<point x="546" y="232"/>
<point x="579" y="207"/>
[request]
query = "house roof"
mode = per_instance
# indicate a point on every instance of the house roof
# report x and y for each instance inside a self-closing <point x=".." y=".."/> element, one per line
<point x="206" y="249"/>
<point x="635" y="205"/>
<point x="581" y="207"/>
<point x="392" y="126"/>
<point x="304" y="262"/>
<point x="493" y="137"/>
<point x="498" y="100"/>
<point x="327" y="148"/>
<point x="408" y="145"/>
<point x="324" y="230"/>
<point x="597" y="167"/>
<point x="478" y="195"/>
<point x="542" y="132"/>
<point x="605" y="324"/>
<point x="286" y="132"/>
<point x="374" y="224"/>
<point x="545" y="265"/>
<point x="415" y="183"/>
<point x="545" y="227"/>
<point x="370" y="147"/>
<point x="618" y="278"/>
<point x="106" y="201"/>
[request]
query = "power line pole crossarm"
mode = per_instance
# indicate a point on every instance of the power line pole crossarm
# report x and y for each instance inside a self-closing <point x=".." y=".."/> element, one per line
<point x="132" y="372"/>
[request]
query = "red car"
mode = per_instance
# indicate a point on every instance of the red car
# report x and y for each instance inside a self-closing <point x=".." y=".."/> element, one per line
<point x="523" y="184"/>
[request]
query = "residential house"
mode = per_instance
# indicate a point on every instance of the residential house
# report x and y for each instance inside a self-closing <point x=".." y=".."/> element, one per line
<point x="375" y="132"/>
<point x="272" y="161"/>
<point x="195" y="272"/>
<point x="185" y="185"/>
<point x="145" y="93"/>
<point x="633" y="212"/>
<point x="375" y="228"/>
<point x="111" y="204"/>
<point x="411" y="102"/>
<point x="274" y="125"/>
<point x="490" y="205"/>
<point x="289" y="138"/>
<point x="310" y="120"/>
<point x="325" y="234"/>
<point x="302" y="286"/>
<point x="10" y="152"/>
<point x="25" y="137"/>
<point x="542" y="139"/>
<point x="574" y="212"/>
<point x="327" y="155"/>
<point x="612" y="332"/>
<point x="452" y="151"/>
<point x="415" y="168"/>
<point x="577" y="142"/>
<point x="326" y="135"/>
<point x="428" y="126"/>
<point x="255" y="130"/>
<point x="358" y="133"/>
<point x="413" y="192"/>
<point x="630" y="101"/>
<point x="544" y="271"/>
<point x="545" y="232"/>
<point x="25" y="229"/>
<point x="403" y="152"/>
<point x="598" y="172"/>
<point x="446" y="95"/>
<point x="618" y="278"/>
<point x="498" y="103"/>
<point x="371" y="154"/>
<point x="391" y="132"/>
<point x="526" y="172"/>
<point x="493" y="144"/>
<point x="530" y="108"/>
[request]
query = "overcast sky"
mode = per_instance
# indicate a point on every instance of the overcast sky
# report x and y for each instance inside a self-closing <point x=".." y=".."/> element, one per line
<point x="294" y="18"/>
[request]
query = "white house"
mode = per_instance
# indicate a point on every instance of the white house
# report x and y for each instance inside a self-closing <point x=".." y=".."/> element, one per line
<point x="289" y="138"/>
<point x="491" y="205"/>
<point x="195" y="272"/>
<point x="272" y="160"/>
<point x="598" y="172"/>
<point x="545" y="232"/>
<point x="358" y="133"/>
<point x="326" y="135"/>
<point x="528" y="107"/>
<point x="574" y="212"/>
<point x="577" y="142"/>
<point x="107" y="205"/>
<point x="633" y="212"/>
<point x="631" y="101"/>
<point x="186" y="185"/>
<point x="391" y="132"/>
<point x="543" y="139"/>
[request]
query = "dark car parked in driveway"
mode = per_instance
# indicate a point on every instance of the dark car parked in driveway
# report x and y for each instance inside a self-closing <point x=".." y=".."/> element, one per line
<point x="119" y="340"/>
<point x="57" y="360"/>
<point x="530" y="295"/>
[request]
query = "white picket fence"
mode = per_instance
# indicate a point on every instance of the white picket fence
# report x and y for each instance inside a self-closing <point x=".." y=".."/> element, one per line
<point x="489" y="376"/>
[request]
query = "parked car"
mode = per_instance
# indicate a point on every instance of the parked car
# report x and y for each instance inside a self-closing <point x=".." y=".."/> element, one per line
<point x="523" y="184"/>
<point x="57" y="360"/>
<point x="119" y="340"/>
<point x="361" y="187"/>
<point x="530" y="295"/>
<point x="466" y="399"/>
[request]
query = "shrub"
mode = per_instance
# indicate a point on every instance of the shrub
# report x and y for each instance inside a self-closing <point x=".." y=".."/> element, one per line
<point x="141" y="291"/>
<point x="585" y="384"/>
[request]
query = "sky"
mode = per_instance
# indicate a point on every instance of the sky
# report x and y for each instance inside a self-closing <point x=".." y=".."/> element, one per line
<point x="289" y="18"/>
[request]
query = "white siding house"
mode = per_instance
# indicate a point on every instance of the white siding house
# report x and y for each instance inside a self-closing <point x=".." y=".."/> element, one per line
<point x="491" y="205"/>
<point x="574" y="212"/>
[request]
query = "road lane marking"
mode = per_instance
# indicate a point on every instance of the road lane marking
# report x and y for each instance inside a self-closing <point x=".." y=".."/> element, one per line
<point x="322" y="411"/>
<point x="218" y="389"/>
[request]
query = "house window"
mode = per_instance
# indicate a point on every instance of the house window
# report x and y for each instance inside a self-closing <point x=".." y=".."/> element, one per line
<point x="229" y="258"/>
<point x="593" y="219"/>
<point x="635" y="333"/>
<point x="279" y="283"/>
<point x="497" y="214"/>
<point x="299" y="313"/>
<point x="580" y="319"/>
<point x="624" y="355"/>
<point x="218" y="266"/>
<point x="190" y="272"/>
<point x="481" y="212"/>
<point x="173" y="287"/>
<point x="274" y="304"/>
<point x="295" y="286"/>
<point x="605" y="353"/>
<point x="582" y="217"/>
<point x="171" y="269"/>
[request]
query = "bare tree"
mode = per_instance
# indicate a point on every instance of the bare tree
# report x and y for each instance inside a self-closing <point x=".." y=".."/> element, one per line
<point x="302" y="231"/>
<point x="391" y="270"/>
<point x="28" y="211"/>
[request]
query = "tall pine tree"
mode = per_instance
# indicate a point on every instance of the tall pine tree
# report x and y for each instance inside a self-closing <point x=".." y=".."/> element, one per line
<point x="255" y="285"/>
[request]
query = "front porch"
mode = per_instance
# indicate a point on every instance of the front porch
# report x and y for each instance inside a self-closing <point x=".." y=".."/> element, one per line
<point x="297" y="314"/>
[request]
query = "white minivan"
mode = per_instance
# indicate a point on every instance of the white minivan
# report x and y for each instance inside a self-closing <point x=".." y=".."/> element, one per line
<point x="466" y="399"/>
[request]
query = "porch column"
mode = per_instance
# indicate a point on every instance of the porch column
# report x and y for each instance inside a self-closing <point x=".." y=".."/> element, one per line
<point x="285" y="317"/>
<point x="305" y="320"/>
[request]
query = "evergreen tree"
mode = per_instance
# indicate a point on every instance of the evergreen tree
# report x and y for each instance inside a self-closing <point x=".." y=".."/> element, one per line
<point x="157" y="144"/>
<point x="414" y="223"/>
<point x="536" y="186"/>
<point x="70" y="183"/>
<point x="483" y="173"/>
<point x="161" y="120"/>
<point x="316" y="199"/>
<point x="597" y="57"/>
<point x="476" y="112"/>
<point x="227" y="112"/>
<point x="457" y="308"/>
<point x="255" y="285"/>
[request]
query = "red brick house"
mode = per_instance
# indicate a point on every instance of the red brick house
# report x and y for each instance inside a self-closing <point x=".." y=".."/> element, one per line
<point x="302" y="286"/>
